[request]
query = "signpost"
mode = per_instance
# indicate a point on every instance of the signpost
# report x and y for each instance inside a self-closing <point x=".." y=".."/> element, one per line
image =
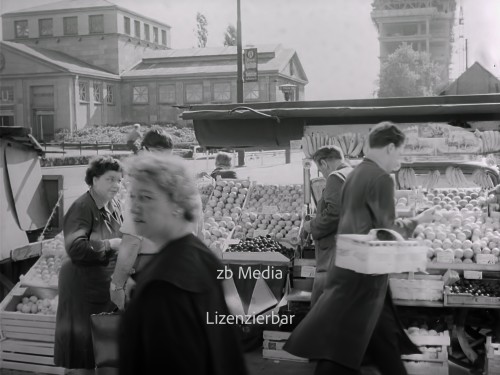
<point x="251" y="62"/>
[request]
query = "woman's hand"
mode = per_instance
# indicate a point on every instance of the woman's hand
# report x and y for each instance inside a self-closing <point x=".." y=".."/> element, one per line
<point x="426" y="216"/>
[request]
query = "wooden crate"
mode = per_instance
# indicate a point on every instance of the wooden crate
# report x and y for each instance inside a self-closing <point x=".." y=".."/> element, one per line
<point x="31" y="327"/>
<point x="304" y="268"/>
<point x="443" y="339"/>
<point x="30" y="356"/>
<point x="416" y="287"/>
<point x="274" y="341"/>
<point x="492" y="365"/>
<point x="426" y="368"/>
<point x="465" y="299"/>
<point x="438" y="356"/>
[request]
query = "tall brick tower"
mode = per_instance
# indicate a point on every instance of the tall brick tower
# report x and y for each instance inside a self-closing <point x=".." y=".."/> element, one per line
<point x="426" y="25"/>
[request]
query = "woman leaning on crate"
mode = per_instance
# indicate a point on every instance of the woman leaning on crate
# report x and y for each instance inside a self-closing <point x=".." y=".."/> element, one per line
<point x="91" y="235"/>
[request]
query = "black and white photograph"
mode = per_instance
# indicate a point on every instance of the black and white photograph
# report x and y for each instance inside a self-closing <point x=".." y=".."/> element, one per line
<point x="250" y="187"/>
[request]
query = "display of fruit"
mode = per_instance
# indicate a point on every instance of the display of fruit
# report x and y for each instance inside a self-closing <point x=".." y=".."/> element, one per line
<point x="261" y="244"/>
<point x="285" y="198"/>
<point x="482" y="179"/>
<point x="455" y="177"/>
<point x="215" y="233"/>
<point x="45" y="272"/>
<point x="55" y="246"/>
<point x="485" y="288"/>
<point x="227" y="199"/>
<point x="280" y="227"/>
<point x="431" y="180"/>
<point x="490" y="140"/>
<point x="351" y="144"/>
<point x="407" y="178"/>
<point x="35" y="305"/>
<point x="416" y="331"/>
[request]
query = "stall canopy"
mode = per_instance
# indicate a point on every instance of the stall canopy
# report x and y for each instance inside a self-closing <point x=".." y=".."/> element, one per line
<point x="275" y="124"/>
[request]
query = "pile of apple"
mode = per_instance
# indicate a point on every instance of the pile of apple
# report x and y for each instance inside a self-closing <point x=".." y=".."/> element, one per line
<point x="281" y="227"/>
<point x="461" y="198"/>
<point x="227" y="199"/>
<point x="416" y="331"/>
<point x="287" y="198"/>
<point x="55" y="246"/>
<point x="215" y="233"/>
<point x="35" y="305"/>
<point x="462" y="229"/>
<point x="45" y="272"/>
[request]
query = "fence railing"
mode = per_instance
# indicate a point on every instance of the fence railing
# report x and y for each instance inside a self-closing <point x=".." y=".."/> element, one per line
<point x="96" y="146"/>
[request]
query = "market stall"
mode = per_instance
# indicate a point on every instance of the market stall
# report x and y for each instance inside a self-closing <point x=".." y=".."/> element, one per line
<point x="449" y="160"/>
<point x="31" y="250"/>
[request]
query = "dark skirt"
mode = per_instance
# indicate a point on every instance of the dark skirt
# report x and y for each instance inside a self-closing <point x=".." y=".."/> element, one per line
<point x="83" y="291"/>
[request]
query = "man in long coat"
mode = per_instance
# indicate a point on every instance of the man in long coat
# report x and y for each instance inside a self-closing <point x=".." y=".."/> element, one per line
<point x="330" y="162"/>
<point x="355" y="316"/>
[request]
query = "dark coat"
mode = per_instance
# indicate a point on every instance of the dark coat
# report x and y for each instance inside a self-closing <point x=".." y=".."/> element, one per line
<point x="223" y="173"/>
<point x="324" y="227"/>
<point x="84" y="280"/>
<point x="340" y="325"/>
<point x="165" y="325"/>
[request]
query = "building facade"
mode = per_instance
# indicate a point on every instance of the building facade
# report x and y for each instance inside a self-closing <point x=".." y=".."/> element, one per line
<point x="426" y="25"/>
<point x="72" y="64"/>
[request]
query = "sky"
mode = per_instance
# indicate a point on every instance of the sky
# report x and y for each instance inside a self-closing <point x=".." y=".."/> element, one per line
<point x="336" y="40"/>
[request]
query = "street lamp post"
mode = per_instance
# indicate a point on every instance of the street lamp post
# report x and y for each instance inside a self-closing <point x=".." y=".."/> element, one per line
<point x="239" y="79"/>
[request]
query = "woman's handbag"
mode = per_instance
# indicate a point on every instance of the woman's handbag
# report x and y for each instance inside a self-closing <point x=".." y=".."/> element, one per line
<point x="104" y="328"/>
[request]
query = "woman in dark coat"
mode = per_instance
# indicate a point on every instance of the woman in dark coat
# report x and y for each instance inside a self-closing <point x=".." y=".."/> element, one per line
<point x="169" y="321"/>
<point x="223" y="165"/>
<point x="91" y="236"/>
<point x="355" y="316"/>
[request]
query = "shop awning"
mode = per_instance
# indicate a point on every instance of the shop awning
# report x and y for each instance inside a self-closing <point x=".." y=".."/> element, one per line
<point x="276" y="124"/>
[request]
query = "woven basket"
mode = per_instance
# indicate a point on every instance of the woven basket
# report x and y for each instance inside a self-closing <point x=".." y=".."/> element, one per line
<point x="364" y="254"/>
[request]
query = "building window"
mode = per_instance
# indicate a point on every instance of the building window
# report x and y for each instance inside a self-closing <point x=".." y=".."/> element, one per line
<point x="221" y="92"/>
<point x="292" y="69"/>
<point x="126" y="24"/>
<point x="194" y="93"/>
<point x="96" y="24"/>
<point x="137" y="26"/>
<point x="251" y="90"/>
<point x="146" y="32"/>
<point x="155" y="34"/>
<point x="97" y="92"/>
<point x="7" y="94"/>
<point x="110" y="97"/>
<point x="70" y="25"/>
<point x="140" y="95"/>
<point x="45" y="27"/>
<point x="164" y="37"/>
<point x="84" y="91"/>
<point x="167" y="93"/>
<point x="22" y="30"/>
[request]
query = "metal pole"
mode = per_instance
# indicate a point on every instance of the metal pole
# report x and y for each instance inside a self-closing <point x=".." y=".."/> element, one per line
<point x="466" y="56"/>
<point x="239" y="80"/>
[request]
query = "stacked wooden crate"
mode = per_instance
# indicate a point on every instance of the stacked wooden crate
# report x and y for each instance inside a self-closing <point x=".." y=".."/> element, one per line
<point x="27" y="339"/>
<point x="434" y="356"/>
<point x="274" y="341"/>
<point x="492" y="357"/>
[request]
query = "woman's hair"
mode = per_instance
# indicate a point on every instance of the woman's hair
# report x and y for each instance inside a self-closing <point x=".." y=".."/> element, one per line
<point x="328" y="153"/>
<point x="224" y="160"/>
<point x="157" y="138"/>
<point x="171" y="174"/>
<point x="99" y="165"/>
<point x="384" y="134"/>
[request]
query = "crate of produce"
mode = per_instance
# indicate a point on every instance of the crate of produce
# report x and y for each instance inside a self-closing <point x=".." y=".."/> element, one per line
<point x="417" y="287"/>
<point x="492" y="357"/>
<point x="270" y="199"/>
<point x="304" y="268"/>
<point x="365" y="254"/>
<point x="429" y="354"/>
<point x="273" y="344"/>
<point x="44" y="273"/>
<point x="424" y="337"/>
<point x="426" y="368"/>
<point x="480" y="293"/>
<point x="258" y="250"/>
<point x="32" y="356"/>
<point x="29" y="313"/>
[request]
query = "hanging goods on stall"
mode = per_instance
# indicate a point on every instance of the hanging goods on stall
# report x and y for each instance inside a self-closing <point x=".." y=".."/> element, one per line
<point x="482" y="179"/>
<point x="351" y="144"/>
<point x="490" y="140"/>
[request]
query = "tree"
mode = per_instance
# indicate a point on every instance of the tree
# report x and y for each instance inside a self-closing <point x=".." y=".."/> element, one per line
<point x="201" y="30"/>
<point x="230" y="36"/>
<point x="409" y="73"/>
